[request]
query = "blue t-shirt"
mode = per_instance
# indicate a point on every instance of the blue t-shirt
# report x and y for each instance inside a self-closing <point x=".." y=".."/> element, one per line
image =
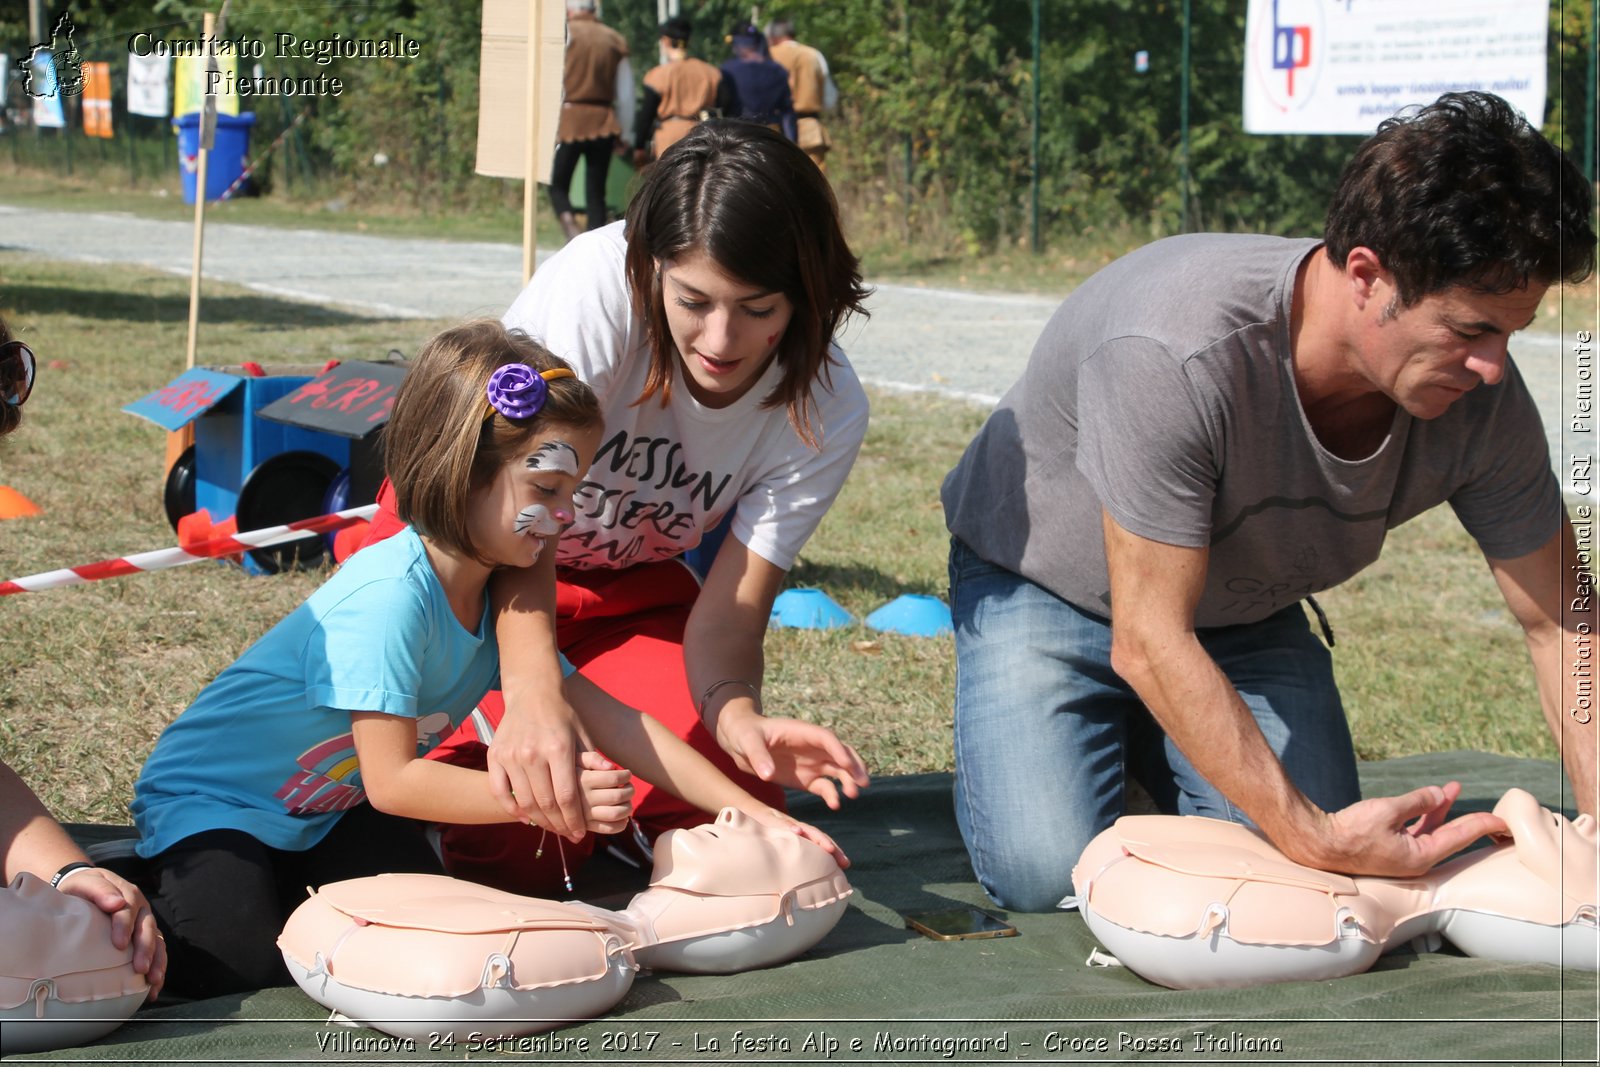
<point x="266" y="748"/>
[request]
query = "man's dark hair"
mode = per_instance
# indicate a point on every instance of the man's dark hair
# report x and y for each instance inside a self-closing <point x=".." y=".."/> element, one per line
<point x="1463" y="192"/>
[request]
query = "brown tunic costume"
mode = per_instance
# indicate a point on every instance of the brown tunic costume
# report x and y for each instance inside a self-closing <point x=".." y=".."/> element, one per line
<point x="687" y="88"/>
<point x="807" y="79"/>
<point x="594" y="51"/>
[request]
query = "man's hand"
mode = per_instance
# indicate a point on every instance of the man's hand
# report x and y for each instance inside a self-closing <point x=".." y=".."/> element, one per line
<point x="1397" y="837"/>
<point x="533" y="766"/>
<point x="795" y="754"/>
<point x="131" y="919"/>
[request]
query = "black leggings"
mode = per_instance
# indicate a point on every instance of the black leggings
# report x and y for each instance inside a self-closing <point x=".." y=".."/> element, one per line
<point x="221" y="897"/>
<point x="596" y="165"/>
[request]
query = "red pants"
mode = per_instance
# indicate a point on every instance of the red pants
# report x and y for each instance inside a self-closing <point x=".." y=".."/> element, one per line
<point x="624" y="631"/>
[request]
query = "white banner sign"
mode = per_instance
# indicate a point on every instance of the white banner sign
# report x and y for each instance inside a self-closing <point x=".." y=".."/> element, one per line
<point x="147" y="85"/>
<point x="1343" y="66"/>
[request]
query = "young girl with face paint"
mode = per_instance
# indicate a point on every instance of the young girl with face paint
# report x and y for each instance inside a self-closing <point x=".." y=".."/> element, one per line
<point x="705" y="325"/>
<point x="301" y="764"/>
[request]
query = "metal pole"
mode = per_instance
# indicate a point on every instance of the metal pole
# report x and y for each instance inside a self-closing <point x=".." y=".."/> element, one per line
<point x="905" y="26"/>
<point x="1183" y="116"/>
<point x="1033" y="182"/>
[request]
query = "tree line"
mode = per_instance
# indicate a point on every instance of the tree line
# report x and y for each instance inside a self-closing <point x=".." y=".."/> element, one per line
<point x="932" y="134"/>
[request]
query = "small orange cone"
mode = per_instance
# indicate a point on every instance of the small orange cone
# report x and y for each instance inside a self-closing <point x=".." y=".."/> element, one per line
<point x="13" y="505"/>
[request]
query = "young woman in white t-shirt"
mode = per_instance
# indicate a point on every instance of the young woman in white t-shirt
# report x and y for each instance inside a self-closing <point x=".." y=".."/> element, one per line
<point x="705" y="324"/>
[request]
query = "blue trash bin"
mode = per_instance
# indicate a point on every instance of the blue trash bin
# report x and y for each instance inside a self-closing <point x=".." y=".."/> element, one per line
<point x="229" y="151"/>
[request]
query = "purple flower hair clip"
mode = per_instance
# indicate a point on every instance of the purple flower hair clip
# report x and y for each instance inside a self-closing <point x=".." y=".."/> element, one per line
<point x="517" y="391"/>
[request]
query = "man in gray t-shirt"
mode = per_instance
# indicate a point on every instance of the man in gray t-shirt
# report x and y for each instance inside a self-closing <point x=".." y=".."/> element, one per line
<point x="1215" y="428"/>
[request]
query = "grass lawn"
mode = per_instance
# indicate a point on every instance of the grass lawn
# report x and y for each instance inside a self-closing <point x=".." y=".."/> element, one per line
<point x="1427" y="655"/>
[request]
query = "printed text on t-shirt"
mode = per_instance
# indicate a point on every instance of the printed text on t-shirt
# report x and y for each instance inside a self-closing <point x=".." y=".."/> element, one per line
<point x="653" y="463"/>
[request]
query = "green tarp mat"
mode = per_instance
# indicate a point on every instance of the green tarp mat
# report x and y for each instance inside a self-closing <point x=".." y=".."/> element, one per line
<point x="875" y="992"/>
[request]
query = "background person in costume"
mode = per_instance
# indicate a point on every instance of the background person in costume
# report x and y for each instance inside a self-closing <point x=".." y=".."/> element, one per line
<point x="810" y="86"/>
<point x="30" y="838"/>
<point x="1213" y="429"/>
<point x="705" y="324"/>
<point x="301" y="763"/>
<point x="760" y="85"/>
<point x="677" y="95"/>
<point x="596" y="108"/>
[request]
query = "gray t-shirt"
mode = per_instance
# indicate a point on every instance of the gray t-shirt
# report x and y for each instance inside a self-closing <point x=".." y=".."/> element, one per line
<point x="1163" y="390"/>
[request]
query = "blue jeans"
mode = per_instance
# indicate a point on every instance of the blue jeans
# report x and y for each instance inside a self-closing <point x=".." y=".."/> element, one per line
<point x="1046" y="731"/>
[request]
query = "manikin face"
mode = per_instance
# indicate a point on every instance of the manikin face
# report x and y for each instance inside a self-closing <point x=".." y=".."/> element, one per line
<point x="725" y="329"/>
<point x="1559" y="850"/>
<point x="735" y="855"/>
<point x="530" y="500"/>
<point x="1427" y="356"/>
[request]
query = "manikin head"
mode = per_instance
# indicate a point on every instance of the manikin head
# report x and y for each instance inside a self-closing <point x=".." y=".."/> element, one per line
<point x="735" y="855"/>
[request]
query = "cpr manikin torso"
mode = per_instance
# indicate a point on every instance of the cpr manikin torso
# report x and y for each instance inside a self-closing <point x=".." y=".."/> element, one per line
<point x="62" y="981"/>
<point x="1190" y="902"/>
<point x="404" y="953"/>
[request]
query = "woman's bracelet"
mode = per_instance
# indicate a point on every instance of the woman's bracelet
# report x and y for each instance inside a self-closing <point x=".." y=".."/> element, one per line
<point x="68" y="871"/>
<point x="714" y="686"/>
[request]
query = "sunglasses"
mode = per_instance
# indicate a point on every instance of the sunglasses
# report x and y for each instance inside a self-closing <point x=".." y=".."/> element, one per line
<point x="17" y="369"/>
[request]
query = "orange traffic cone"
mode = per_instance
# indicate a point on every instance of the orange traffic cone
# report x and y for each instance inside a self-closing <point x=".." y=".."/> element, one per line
<point x="13" y="505"/>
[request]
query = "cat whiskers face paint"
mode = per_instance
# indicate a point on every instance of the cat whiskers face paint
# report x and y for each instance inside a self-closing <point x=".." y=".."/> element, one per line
<point x="537" y="520"/>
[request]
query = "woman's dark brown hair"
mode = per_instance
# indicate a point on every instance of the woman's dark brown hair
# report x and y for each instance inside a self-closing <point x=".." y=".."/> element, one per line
<point x="750" y="199"/>
<point x="444" y="440"/>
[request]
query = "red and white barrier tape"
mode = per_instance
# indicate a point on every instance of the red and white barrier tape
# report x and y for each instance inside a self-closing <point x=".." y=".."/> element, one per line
<point x="177" y="557"/>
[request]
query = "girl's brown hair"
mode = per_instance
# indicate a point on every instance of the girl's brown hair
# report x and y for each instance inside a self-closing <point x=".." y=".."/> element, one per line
<point x="758" y="206"/>
<point x="444" y="440"/>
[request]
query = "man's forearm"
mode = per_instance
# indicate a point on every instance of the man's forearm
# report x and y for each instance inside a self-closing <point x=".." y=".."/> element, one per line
<point x="1564" y="666"/>
<point x="1201" y="711"/>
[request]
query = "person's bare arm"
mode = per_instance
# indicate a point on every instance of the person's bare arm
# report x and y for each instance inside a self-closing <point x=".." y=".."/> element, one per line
<point x="399" y="783"/>
<point x="722" y="651"/>
<point x="1553" y="599"/>
<point x="660" y="757"/>
<point x="31" y="840"/>
<point x="533" y="758"/>
<point x="1155" y="589"/>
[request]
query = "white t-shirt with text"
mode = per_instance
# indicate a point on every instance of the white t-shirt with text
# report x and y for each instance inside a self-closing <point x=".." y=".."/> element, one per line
<point x="664" y="476"/>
